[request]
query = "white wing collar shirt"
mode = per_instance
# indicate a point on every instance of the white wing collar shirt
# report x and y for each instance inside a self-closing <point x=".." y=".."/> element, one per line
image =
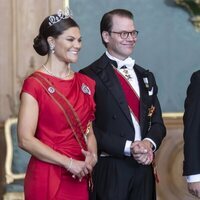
<point x="130" y="75"/>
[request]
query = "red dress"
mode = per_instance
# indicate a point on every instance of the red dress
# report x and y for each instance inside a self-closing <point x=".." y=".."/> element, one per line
<point x="45" y="181"/>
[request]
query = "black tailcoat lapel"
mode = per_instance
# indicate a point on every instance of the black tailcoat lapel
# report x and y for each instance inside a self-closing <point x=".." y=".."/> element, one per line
<point x="140" y="73"/>
<point x="107" y="74"/>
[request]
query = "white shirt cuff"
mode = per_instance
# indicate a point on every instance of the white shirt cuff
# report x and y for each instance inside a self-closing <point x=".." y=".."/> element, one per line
<point x="127" y="148"/>
<point x="152" y="142"/>
<point x="193" y="178"/>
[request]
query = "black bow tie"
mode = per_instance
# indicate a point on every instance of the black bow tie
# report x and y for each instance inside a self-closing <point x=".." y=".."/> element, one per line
<point x="123" y="67"/>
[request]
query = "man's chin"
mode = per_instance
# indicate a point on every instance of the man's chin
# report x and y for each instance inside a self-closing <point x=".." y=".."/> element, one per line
<point x="128" y="53"/>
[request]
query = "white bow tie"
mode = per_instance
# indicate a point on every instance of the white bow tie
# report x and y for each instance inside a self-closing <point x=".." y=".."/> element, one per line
<point x="129" y="63"/>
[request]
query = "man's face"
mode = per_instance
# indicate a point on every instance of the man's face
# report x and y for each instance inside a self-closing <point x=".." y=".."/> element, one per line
<point x="116" y="45"/>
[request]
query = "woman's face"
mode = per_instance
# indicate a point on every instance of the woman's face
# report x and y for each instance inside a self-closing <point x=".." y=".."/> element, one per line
<point x="68" y="45"/>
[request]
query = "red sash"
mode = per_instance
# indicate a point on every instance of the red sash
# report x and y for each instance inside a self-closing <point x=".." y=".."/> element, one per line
<point x="132" y="98"/>
<point x="66" y="107"/>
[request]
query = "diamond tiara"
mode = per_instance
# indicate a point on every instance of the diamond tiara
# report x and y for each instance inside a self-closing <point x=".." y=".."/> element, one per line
<point x="61" y="14"/>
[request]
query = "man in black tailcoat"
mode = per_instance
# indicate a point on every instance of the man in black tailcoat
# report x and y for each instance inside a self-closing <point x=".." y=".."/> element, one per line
<point x="128" y="125"/>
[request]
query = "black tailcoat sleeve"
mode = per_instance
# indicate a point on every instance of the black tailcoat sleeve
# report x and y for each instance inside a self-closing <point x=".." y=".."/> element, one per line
<point x="191" y="120"/>
<point x="113" y="125"/>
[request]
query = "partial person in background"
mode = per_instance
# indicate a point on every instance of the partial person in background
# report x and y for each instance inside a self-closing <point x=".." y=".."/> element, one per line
<point x="191" y="121"/>
<point x="128" y="120"/>
<point x="55" y="117"/>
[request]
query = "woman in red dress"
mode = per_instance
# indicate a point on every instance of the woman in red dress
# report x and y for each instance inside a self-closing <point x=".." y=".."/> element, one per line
<point x="55" y="117"/>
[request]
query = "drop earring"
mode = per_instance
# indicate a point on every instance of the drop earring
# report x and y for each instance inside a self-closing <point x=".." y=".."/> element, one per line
<point x="52" y="48"/>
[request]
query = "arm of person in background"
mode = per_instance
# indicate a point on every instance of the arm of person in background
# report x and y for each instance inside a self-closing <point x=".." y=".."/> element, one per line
<point x="27" y="123"/>
<point x="191" y="120"/>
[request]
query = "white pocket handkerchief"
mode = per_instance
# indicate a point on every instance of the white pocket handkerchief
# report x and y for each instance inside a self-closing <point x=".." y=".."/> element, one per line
<point x="151" y="92"/>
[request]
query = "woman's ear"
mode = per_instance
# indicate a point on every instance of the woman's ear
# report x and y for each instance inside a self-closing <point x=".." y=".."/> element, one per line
<point x="51" y="41"/>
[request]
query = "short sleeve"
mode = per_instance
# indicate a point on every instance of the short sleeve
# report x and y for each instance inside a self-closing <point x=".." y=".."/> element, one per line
<point x="31" y="86"/>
